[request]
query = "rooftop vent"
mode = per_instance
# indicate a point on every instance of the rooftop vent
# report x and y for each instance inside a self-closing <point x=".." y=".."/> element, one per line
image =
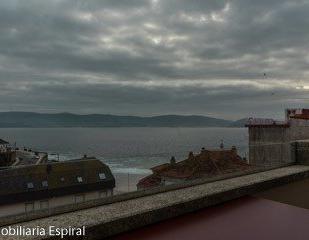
<point x="173" y="160"/>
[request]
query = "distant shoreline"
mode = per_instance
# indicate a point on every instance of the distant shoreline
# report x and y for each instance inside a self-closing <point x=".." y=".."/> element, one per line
<point x="125" y="127"/>
<point x="69" y="120"/>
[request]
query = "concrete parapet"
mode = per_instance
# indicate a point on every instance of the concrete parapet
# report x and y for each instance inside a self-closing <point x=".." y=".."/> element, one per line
<point x="301" y="151"/>
<point x="107" y="220"/>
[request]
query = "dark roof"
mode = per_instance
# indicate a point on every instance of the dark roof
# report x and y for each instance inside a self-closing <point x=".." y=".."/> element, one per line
<point x="3" y="142"/>
<point x="62" y="179"/>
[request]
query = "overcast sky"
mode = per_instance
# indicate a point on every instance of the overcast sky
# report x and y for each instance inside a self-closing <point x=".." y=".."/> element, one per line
<point x="150" y="57"/>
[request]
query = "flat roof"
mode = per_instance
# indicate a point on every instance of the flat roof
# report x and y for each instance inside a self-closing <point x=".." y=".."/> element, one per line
<point x="242" y="219"/>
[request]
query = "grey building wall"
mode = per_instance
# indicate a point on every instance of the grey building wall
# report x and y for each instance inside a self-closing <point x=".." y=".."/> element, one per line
<point x="269" y="146"/>
<point x="273" y="145"/>
<point x="301" y="150"/>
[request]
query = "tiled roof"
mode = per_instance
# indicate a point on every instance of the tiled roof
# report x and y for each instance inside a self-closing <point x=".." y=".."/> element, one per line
<point x="161" y="167"/>
<point x="149" y="181"/>
<point x="301" y="116"/>
<point x="207" y="163"/>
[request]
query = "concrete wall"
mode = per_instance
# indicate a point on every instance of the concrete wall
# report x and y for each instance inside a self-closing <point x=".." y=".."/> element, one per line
<point x="269" y="146"/>
<point x="103" y="221"/>
<point x="273" y="145"/>
<point x="20" y="208"/>
<point x="301" y="151"/>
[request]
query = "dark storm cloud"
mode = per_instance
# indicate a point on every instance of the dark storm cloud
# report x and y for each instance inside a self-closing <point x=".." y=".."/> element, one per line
<point x="152" y="57"/>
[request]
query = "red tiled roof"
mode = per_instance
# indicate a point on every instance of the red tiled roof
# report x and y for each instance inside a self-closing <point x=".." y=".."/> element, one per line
<point x="161" y="167"/>
<point x="207" y="163"/>
<point x="149" y="181"/>
<point x="301" y="116"/>
<point x="298" y="113"/>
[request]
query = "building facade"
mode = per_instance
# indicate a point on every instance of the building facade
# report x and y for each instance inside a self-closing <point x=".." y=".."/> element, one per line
<point x="27" y="188"/>
<point x="271" y="142"/>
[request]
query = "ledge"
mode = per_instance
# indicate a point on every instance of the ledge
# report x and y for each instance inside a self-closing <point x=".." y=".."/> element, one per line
<point x="107" y="220"/>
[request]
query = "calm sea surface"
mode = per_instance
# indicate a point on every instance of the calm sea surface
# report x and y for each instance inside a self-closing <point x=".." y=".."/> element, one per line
<point x="126" y="150"/>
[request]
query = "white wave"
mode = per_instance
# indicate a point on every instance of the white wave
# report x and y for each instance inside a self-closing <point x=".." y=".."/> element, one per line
<point x="131" y="170"/>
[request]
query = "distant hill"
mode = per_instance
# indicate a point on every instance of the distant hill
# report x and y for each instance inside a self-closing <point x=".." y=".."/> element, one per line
<point x="239" y="123"/>
<point x="34" y="120"/>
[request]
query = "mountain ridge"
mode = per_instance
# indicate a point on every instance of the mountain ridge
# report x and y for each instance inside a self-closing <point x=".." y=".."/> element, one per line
<point x="65" y="119"/>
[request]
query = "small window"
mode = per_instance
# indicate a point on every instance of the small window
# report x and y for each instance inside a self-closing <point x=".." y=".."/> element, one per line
<point x="29" y="207"/>
<point x="44" y="183"/>
<point x="80" y="179"/>
<point x="30" y="185"/>
<point x="62" y="179"/>
<point x="102" y="176"/>
<point x="44" y="204"/>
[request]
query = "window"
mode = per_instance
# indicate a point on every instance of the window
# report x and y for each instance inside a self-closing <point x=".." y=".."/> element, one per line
<point x="102" y="176"/>
<point x="44" y="204"/>
<point x="44" y="183"/>
<point x="79" y="198"/>
<point x="30" y="185"/>
<point x="80" y="179"/>
<point x="29" y="207"/>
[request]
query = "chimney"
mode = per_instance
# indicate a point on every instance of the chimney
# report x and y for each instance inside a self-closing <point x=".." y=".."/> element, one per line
<point x="221" y="145"/>
<point x="234" y="150"/>
<point x="203" y="150"/>
<point x="173" y="160"/>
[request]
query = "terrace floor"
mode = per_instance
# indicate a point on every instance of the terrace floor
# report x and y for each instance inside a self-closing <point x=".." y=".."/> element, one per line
<point x="245" y="218"/>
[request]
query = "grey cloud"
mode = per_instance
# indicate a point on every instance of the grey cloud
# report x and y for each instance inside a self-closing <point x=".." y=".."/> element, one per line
<point x="138" y="57"/>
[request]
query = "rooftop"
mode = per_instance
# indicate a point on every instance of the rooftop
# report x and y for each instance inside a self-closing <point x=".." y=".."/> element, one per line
<point x="298" y="113"/>
<point x="20" y="183"/>
<point x="266" y="122"/>
<point x="208" y="163"/>
<point x="3" y="142"/>
<point x="292" y="113"/>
